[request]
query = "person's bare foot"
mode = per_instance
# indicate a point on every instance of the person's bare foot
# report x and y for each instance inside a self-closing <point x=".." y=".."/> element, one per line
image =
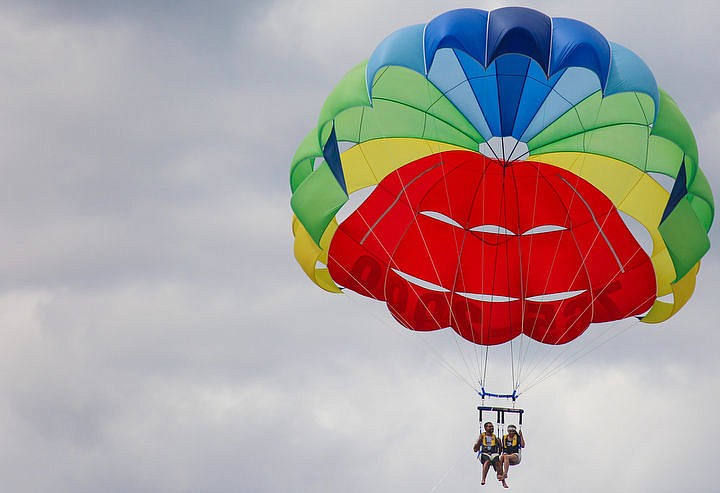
<point x="505" y="485"/>
<point x="482" y="483"/>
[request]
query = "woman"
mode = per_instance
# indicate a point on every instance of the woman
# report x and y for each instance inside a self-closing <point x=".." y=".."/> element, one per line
<point x="512" y="445"/>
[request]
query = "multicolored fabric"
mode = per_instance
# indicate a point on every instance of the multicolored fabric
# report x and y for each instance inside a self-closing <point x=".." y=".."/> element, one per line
<point x="492" y="124"/>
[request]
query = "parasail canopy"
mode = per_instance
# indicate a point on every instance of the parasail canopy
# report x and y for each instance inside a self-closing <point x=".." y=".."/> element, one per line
<point x="512" y="160"/>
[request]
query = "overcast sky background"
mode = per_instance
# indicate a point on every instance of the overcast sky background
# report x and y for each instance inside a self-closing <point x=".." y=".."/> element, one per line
<point x="155" y="332"/>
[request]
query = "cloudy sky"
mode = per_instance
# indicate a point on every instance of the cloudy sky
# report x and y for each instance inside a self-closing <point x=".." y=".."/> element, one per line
<point x="155" y="332"/>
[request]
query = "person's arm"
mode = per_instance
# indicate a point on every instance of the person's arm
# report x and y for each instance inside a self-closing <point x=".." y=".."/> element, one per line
<point x="476" y="447"/>
<point x="522" y="439"/>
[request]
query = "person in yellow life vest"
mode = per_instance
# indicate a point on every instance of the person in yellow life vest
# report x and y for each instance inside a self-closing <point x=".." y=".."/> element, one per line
<point x="488" y="449"/>
<point x="512" y="445"/>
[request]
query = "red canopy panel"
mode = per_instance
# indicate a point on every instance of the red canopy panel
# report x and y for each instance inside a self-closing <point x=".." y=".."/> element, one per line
<point x="460" y="240"/>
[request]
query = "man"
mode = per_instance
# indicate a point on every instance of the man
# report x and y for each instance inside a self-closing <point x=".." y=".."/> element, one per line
<point x="512" y="445"/>
<point x="488" y="448"/>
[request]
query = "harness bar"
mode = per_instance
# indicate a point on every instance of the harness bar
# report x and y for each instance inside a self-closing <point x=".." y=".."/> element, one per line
<point x="501" y="413"/>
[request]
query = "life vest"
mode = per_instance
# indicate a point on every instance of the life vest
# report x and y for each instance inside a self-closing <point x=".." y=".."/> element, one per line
<point x="489" y="443"/>
<point x="511" y="445"/>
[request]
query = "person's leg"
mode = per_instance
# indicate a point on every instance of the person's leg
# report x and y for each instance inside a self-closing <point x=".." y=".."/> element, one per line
<point x="505" y="465"/>
<point x="485" y="469"/>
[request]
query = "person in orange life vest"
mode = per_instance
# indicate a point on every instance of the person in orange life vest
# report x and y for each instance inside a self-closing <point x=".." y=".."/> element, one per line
<point x="512" y="445"/>
<point x="488" y="448"/>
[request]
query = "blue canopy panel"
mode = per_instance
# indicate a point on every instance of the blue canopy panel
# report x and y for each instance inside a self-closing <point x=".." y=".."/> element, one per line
<point x="402" y="48"/>
<point x="576" y="44"/>
<point x="504" y="99"/>
<point x="679" y="191"/>
<point x="485" y="89"/>
<point x="450" y="77"/>
<point x="628" y="72"/>
<point x="519" y="30"/>
<point x="462" y="29"/>
<point x="514" y="70"/>
<point x="331" y="153"/>
<point x="536" y="90"/>
<point x="573" y="85"/>
<point x="506" y="56"/>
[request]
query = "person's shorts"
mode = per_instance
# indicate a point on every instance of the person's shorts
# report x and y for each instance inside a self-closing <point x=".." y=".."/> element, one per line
<point x="515" y="458"/>
<point x="493" y="458"/>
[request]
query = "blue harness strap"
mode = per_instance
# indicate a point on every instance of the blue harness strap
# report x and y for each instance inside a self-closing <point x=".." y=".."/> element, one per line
<point x="483" y="393"/>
